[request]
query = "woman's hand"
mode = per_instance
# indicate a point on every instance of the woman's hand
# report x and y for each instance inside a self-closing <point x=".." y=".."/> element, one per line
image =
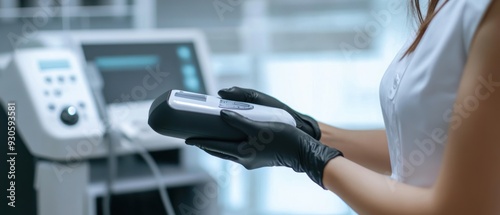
<point x="304" y="122"/>
<point x="270" y="144"/>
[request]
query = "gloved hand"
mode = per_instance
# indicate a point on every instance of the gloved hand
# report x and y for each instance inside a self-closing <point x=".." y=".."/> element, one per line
<point x="270" y="144"/>
<point x="304" y="122"/>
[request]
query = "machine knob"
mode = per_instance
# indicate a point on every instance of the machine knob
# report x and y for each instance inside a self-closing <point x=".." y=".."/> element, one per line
<point x="69" y="116"/>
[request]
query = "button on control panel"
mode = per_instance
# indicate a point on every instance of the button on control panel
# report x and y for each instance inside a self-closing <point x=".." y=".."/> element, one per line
<point x="55" y="90"/>
<point x="69" y="115"/>
<point x="225" y="104"/>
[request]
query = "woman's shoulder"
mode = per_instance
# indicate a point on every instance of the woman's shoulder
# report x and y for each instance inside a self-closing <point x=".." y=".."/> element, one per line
<point x="473" y="12"/>
<point x="476" y="4"/>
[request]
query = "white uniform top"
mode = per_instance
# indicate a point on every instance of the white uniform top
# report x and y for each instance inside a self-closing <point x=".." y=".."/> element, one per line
<point x="417" y="93"/>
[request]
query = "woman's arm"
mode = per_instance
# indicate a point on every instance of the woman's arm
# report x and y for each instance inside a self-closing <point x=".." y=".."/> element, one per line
<point x="368" y="192"/>
<point x="469" y="181"/>
<point x="367" y="148"/>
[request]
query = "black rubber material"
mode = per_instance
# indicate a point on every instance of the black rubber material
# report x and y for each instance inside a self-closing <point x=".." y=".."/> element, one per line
<point x="184" y="124"/>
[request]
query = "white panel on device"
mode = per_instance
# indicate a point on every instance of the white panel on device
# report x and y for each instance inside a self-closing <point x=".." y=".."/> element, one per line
<point x="55" y="111"/>
<point x="136" y="66"/>
<point x="205" y="104"/>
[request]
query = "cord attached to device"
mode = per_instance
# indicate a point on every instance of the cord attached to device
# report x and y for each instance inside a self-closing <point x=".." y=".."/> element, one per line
<point x="113" y="139"/>
<point x="157" y="173"/>
<point x="112" y="170"/>
<point x="96" y="85"/>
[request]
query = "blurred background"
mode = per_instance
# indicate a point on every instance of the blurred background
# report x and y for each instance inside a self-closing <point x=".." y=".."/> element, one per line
<point x="324" y="58"/>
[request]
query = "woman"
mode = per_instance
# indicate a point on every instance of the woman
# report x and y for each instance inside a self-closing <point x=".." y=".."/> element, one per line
<point x="442" y="114"/>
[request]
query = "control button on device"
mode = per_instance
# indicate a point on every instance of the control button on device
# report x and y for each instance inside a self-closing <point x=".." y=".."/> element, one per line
<point x="57" y="93"/>
<point x="69" y="115"/>
<point x="72" y="78"/>
<point x="234" y="105"/>
<point x="48" y="80"/>
<point x="61" y="79"/>
<point x="243" y="106"/>
<point x="52" y="107"/>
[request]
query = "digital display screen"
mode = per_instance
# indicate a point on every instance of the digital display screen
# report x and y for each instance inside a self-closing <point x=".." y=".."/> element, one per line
<point x="191" y="96"/>
<point x="47" y="65"/>
<point x="126" y="62"/>
<point x="135" y="72"/>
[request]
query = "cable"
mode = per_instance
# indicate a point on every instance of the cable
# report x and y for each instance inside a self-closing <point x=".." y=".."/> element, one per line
<point x="113" y="138"/>
<point x="112" y="169"/>
<point x="112" y="162"/>
<point x="167" y="204"/>
<point x="96" y="86"/>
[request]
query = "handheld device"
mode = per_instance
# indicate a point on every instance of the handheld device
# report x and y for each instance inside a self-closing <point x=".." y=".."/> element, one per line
<point x="185" y="115"/>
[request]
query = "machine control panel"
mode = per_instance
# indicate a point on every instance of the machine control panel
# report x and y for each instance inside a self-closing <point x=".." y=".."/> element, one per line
<point x="56" y="109"/>
<point x="59" y="80"/>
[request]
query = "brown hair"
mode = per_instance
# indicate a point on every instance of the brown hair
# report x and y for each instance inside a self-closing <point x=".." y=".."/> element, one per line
<point x="424" y="22"/>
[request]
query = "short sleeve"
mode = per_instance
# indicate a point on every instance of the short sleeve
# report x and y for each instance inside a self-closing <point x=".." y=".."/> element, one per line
<point x="474" y="11"/>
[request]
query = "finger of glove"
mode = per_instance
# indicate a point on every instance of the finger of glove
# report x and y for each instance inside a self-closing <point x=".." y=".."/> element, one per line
<point x="222" y="147"/>
<point x="239" y="94"/>
<point x="236" y="120"/>
<point x="220" y="155"/>
<point x="252" y="96"/>
<point x="310" y="126"/>
<point x="249" y="95"/>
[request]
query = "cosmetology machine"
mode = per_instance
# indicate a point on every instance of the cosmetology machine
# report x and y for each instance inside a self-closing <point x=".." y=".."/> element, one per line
<point x="83" y="144"/>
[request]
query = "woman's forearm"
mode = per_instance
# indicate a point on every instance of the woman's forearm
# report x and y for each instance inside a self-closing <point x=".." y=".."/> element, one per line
<point x="367" y="148"/>
<point x="368" y="192"/>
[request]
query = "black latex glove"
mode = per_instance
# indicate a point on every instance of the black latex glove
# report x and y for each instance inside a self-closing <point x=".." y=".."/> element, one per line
<point x="304" y="122"/>
<point x="270" y="144"/>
